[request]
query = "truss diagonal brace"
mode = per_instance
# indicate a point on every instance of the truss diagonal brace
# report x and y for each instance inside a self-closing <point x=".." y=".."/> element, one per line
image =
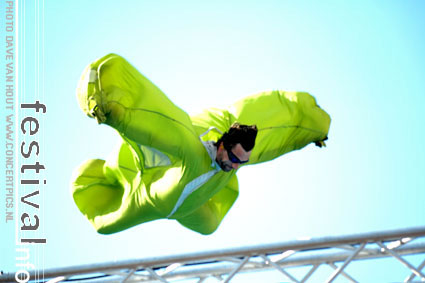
<point x="156" y="276"/>
<point x="407" y="264"/>
<point x="410" y="278"/>
<point x="130" y="273"/>
<point x="275" y="265"/>
<point x="342" y="273"/>
<point x="239" y="267"/>
<point x="347" y="261"/>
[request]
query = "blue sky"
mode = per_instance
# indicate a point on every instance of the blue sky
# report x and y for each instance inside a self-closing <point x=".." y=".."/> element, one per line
<point x="362" y="60"/>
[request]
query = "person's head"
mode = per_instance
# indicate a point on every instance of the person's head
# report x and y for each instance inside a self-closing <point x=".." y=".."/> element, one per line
<point x="235" y="146"/>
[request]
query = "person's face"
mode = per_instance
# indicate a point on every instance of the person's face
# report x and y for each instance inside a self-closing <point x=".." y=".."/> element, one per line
<point x="225" y="161"/>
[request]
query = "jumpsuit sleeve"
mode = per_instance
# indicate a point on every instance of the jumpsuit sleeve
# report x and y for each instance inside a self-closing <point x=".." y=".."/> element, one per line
<point x="286" y="121"/>
<point x="207" y="218"/>
<point x="114" y="92"/>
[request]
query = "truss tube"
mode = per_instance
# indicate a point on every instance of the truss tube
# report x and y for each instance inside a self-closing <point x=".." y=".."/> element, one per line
<point x="212" y="256"/>
<point x="205" y="271"/>
<point x="197" y="271"/>
<point x="296" y="262"/>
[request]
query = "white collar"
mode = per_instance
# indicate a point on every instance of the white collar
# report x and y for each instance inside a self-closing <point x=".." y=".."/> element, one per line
<point x="212" y="152"/>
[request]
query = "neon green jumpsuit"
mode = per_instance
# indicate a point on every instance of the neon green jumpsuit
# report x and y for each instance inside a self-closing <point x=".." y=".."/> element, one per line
<point x="163" y="169"/>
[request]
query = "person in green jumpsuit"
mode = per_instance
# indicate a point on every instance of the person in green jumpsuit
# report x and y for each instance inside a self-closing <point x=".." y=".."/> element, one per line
<point x="173" y="166"/>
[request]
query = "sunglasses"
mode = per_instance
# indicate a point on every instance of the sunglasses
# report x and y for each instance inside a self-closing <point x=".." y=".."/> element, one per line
<point x="233" y="158"/>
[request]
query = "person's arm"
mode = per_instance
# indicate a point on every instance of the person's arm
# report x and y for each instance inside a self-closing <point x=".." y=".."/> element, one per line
<point x="286" y="121"/>
<point x="117" y="94"/>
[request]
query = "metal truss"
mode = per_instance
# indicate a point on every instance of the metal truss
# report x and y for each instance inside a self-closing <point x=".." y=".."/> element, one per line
<point x="226" y="265"/>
